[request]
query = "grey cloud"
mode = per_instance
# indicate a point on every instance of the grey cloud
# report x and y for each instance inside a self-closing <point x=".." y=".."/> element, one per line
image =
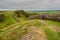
<point x="32" y="4"/>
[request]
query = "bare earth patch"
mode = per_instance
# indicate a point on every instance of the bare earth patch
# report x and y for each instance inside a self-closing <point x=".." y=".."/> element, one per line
<point x="34" y="34"/>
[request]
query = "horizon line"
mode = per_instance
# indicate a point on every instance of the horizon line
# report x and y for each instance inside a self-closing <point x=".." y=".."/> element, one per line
<point x="28" y="9"/>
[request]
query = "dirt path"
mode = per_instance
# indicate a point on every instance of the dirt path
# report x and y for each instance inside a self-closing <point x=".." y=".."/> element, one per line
<point x="52" y="27"/>
<point x="34" y="34"/>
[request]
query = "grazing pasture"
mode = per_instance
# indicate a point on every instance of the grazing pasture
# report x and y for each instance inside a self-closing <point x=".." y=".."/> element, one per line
<point x="31" y="25"/>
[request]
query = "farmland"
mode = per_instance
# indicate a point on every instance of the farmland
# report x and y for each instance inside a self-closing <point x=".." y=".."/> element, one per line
<point x="21" y="25"/>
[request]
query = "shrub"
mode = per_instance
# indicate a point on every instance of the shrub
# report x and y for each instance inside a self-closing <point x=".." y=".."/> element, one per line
<point x="18" y="13"/>
<point x="2" y="17"/>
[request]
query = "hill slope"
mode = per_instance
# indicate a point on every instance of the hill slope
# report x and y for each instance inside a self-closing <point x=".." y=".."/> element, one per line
<point x="31" y="30"/>
<point x="17" y="27"/>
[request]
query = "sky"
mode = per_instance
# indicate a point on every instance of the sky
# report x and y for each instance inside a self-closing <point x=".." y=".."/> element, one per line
<point x="30" y="4"/>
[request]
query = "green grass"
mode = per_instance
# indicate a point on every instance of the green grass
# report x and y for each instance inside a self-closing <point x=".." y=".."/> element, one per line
<point x="58" y="35"/>
<point x="53" y="23"/>
<point x="8" y="21"/>
<point x="50" y="34"/>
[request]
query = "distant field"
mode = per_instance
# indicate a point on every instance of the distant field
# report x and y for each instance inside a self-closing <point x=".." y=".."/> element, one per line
<point x="16" y="26"/>
<point x="45" y="12"/>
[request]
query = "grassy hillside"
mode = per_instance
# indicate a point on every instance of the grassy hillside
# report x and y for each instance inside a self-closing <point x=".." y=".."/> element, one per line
<point x="23" y="29"/>
<point x="8" y="20"/>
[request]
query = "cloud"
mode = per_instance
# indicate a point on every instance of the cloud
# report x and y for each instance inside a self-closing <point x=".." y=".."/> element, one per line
<point x="30" y="4"/>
